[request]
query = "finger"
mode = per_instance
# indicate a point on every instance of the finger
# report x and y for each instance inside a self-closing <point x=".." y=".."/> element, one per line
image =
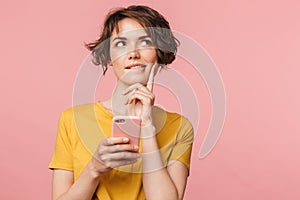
<point x="118" y="159"/>
<point x="122" y="147"/>
<point x="132" y="87"/>
<point x="115" y="140"/>
<point x="145" y="99"/>
<point x="151" y="78"/>
<point x="124" y="155"/>
<point x="140" y="90"/>
<point x="143" y="91"/>
<point x="119" y="163"/>
<point x="129" y="94"/>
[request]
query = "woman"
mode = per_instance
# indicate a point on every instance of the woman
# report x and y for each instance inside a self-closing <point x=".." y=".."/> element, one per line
<point x="135" y="42"/>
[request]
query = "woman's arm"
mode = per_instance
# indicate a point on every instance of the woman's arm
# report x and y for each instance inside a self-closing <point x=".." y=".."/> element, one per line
<point x="167" y="183"/>
<point x="63" y="186"/>
<point x="111" y="153"/>
<point x="161" y="182"/>
<point x="178" y="173"/>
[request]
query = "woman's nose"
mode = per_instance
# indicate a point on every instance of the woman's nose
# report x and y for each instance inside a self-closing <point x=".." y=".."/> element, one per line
<point x="134" y="54"/>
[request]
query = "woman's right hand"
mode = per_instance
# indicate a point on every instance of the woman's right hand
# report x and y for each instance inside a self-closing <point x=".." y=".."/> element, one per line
<point x="113" y="152"/>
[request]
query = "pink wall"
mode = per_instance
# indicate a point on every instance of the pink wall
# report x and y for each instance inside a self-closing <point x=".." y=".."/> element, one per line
<point x="255" y="45"/>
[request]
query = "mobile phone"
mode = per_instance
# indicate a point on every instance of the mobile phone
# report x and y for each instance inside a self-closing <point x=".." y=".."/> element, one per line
<point x="127" y="126"/>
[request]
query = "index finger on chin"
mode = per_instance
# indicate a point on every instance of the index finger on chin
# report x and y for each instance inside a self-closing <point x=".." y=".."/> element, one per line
<point x="151" y="78"/>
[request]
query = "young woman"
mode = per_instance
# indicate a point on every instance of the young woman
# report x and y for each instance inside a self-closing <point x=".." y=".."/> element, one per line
<point x="135" y="43"/>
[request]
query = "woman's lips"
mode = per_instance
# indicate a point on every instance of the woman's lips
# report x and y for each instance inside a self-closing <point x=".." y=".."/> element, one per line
<point x="135" y="67"/>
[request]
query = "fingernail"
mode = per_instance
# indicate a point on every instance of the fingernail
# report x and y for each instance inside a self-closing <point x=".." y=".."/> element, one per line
<point x="137" y="155"/>
<point x="136" y="147"/>
<point x="108" y="141"/>
<point x="125" y="139"/>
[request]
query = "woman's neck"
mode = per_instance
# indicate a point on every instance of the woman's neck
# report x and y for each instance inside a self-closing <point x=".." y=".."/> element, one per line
<point x="117" y="102"/>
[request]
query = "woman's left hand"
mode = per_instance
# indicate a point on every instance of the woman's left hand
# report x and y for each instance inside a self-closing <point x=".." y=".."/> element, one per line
<point x="141" y="99"/>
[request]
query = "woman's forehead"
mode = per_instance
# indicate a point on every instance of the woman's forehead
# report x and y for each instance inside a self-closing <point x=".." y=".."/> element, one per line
<point x="128" y="27"/>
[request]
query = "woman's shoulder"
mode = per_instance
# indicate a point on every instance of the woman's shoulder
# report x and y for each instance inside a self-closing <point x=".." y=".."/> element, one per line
<point x="82" y="109"/>
<point x="161" y="111"/>
<point x="163" y="115"/>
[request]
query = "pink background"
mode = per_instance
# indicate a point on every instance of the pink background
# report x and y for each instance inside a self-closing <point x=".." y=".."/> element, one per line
<point x="255" y="45"/>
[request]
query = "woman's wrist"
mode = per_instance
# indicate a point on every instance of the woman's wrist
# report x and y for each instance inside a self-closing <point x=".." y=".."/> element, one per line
<point x="146" y="121"/>
<point x="96" y="168"/>
<point x="148" y="131"/>
<point x="152" y="161"/>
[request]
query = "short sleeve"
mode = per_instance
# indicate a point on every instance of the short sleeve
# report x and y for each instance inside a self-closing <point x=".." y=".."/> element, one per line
<point x="62" y="157"/>
<point x="183" y="145"/>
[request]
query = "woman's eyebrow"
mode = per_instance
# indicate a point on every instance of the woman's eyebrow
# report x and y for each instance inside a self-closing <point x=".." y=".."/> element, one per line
<point x="143" y="37"/>
<point x="119" y="38"/>
<point x="124" y="38"/>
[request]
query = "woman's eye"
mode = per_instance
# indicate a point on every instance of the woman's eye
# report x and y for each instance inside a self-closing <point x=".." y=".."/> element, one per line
<point x="146" y="42"/>
<point x="120" y="44"/>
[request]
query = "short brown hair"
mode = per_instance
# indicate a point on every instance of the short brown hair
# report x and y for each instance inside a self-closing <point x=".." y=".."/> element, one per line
<point x="155" y="25"/>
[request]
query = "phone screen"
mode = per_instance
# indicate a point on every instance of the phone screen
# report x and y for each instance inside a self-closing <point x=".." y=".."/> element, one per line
<point x="127" y="126"/>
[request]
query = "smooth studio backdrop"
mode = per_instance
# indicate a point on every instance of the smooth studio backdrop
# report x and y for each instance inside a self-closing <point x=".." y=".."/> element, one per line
<point x="255" y="45"/>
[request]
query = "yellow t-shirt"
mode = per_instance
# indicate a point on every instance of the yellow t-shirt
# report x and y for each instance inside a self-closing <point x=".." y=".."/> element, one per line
<point x="80" y="130"/>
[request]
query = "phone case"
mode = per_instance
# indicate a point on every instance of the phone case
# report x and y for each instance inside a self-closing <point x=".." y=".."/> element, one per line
<point x="127" y="126"/>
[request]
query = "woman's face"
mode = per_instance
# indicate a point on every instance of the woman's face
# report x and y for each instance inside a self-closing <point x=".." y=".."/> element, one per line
<point x="132" y="52"/>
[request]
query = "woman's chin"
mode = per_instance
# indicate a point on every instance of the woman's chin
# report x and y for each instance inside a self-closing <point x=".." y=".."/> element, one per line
<point x="133" y="81"/>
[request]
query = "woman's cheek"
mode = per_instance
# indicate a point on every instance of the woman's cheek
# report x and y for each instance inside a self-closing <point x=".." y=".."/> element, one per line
<point x="115" y="53"/>
<point x="150" y="56"/>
